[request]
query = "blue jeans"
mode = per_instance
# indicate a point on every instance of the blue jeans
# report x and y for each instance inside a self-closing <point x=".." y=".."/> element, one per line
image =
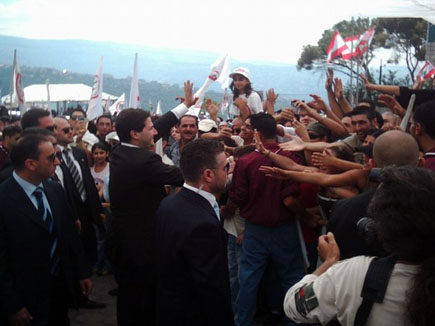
<point x="234" y="255"/>
<point x="281" y="245"/>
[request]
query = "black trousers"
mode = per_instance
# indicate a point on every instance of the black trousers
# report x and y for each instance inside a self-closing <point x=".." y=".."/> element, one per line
<point x="136" y="297"/>
<point x="57" y="314"/>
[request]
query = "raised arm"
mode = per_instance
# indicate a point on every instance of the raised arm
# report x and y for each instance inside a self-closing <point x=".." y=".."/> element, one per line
<point x="338" y="90"/>
<point x="390" y="89"/>
<point x="335" y="106"/>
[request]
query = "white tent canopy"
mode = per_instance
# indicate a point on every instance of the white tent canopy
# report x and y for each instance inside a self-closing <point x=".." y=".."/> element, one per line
<point x="37" y="93"/>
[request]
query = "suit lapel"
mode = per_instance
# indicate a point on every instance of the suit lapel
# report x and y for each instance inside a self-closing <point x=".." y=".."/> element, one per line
<point x="23" y="203"/>
<point x="56" y="210"/>
<point x="199" y="200"/>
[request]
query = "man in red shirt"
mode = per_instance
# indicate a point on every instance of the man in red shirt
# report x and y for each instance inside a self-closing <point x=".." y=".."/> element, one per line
<point x="270" y="208"/>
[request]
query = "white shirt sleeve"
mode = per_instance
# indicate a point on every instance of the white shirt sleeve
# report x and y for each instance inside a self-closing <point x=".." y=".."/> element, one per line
<point x="254" y="103"/>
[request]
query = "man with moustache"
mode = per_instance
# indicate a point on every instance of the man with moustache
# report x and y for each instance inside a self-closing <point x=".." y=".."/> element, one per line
<point x="188" y="128"/>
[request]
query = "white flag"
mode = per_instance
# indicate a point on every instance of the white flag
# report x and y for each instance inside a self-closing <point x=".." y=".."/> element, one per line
<point x="219" y="72"/>
<point x="134" y="101"/>
<point x="47" y="83"/>
<point x="95" y="107"/>
<point x="17" y="94"/>
<point x="159" y="108"/>
<point x="118" y="105"/>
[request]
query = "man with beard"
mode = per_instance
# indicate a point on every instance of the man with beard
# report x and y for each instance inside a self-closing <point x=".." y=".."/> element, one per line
<point x="192" y="269"/>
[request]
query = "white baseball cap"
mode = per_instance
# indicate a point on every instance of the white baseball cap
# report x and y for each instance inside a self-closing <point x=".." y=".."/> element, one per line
<point x="241" y="71"/>
<point x="206" y="125"/>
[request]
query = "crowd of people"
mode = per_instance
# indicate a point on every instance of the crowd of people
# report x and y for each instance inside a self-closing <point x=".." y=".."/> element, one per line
<point x="322" y="212"/>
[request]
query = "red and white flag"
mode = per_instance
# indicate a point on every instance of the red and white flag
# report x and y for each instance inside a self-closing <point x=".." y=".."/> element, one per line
<point x="364" y="41"/>
<point x="336" y="47"/>
<point x="118" y="105"/>
<point x="351" y="44"/>
<point x="427" y="71"/>
<point x="95" y="107"/>
<point x="17" y="94"/>
<point x="134" y="101"/>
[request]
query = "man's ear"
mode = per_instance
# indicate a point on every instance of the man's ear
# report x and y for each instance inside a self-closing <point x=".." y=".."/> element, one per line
<point x="133" y="134"/>
<point x="418" y="129"/>
<point x="30" y="164"/>
<point x="372" y="163"/>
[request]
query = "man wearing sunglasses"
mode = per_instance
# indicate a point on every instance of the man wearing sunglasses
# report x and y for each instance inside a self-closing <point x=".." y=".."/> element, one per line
<point x="41" y="255"/>
<point x="78" y="183"/>
<point x="192" y="269"/>
<point x="38" y="118"/>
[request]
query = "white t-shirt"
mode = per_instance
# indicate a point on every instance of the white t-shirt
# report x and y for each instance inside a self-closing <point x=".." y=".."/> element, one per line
<point x="254" y="103"/>
<point x="99" y="176"/>
<point x="338" y="293"/>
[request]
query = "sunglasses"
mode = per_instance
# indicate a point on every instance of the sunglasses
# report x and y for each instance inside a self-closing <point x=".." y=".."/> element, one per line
<point x="52" y="157"/>
<point x="66" y="130"/>
<point x="237" y="130"/>
<point x="80" y="118"/>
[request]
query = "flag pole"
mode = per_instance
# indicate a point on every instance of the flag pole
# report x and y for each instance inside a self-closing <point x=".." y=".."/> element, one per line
<point x="12" y="79"/>
<point x="351" y="66"/>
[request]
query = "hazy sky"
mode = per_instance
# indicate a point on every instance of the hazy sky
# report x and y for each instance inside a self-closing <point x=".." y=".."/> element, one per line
<point x="272" y="30"/>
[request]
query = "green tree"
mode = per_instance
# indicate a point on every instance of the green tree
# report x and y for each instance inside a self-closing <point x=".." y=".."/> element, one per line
<point x="406" y="36"/>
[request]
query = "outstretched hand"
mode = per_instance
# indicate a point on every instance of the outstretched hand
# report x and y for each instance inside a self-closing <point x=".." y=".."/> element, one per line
<point x="295" y="144"/>
<point x="274" y="172"/>
<point x="258" y="143"/>
<point x="323" y="160"/>
<point x="188" y="99"/>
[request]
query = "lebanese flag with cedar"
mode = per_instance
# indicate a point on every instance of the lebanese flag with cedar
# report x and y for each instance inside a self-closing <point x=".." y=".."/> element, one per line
<point x="336" y="47"/>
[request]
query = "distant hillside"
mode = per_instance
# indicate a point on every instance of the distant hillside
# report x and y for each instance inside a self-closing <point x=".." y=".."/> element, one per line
<point x="161" y="70"/>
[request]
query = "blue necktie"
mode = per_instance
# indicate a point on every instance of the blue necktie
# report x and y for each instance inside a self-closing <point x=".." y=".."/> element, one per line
<point x="216" y="210"/>
<point x="45" y="216"/>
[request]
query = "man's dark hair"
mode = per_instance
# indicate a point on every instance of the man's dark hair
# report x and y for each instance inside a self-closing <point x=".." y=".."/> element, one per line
<point x="190" y="116"/>
<point x="26" y="148"/>
<point x="424" y="114"/>
<point x="31" y="117"/>
<point x="3" y="110"/>
<point x="265" y="124"/>
<point x="199" y="155"/>
<point x="369" y="113"/>
<point x="37" y="131"/>
<point x="11" y="130"/>
<point x="369" y="101"/>
<point x="403" y="209"/>
<point x="105" y="115"/>
<point x="379" y="119"/>
<point x="128" y="120"/>
<point x="78" y="109"/>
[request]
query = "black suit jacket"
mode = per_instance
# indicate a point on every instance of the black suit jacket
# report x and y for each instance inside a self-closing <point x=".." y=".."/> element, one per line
<point x="136" y="187"/>
<point x="345" y="215"/>
<point x="192" y="268"/>
<point x="24" y="249"/>
<point x="93" y="206"/>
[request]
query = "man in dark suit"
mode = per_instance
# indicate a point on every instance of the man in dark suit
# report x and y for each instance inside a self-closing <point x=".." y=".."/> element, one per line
<point x="192" y="269"/>
<point x="78" y="183"/>
<point x="136" y="187"/>
<point x="41" y="257"/>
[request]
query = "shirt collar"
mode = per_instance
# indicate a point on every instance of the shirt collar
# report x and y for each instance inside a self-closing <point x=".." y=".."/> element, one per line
<point x="28" y="187"/>
<point x="207" y="195"/>
<point x="129" y="145"/>
<point x="64" y="147"/>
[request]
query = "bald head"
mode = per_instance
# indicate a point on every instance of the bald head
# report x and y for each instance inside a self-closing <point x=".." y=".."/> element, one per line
<point x="395" y="148"/>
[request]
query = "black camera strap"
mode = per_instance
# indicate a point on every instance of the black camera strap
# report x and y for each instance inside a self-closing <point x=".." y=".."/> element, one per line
<point x="375" y="286"/>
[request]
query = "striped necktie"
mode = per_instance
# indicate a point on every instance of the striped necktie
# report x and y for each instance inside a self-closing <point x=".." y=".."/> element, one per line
<point x="74" y="172"/>
<point x="45" y="216"/>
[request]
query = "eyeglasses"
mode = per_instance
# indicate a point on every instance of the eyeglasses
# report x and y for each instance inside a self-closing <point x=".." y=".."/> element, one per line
<point x="66" y="130"/>
<point x="52" y="157"/>
<point x="80" y="118"/>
